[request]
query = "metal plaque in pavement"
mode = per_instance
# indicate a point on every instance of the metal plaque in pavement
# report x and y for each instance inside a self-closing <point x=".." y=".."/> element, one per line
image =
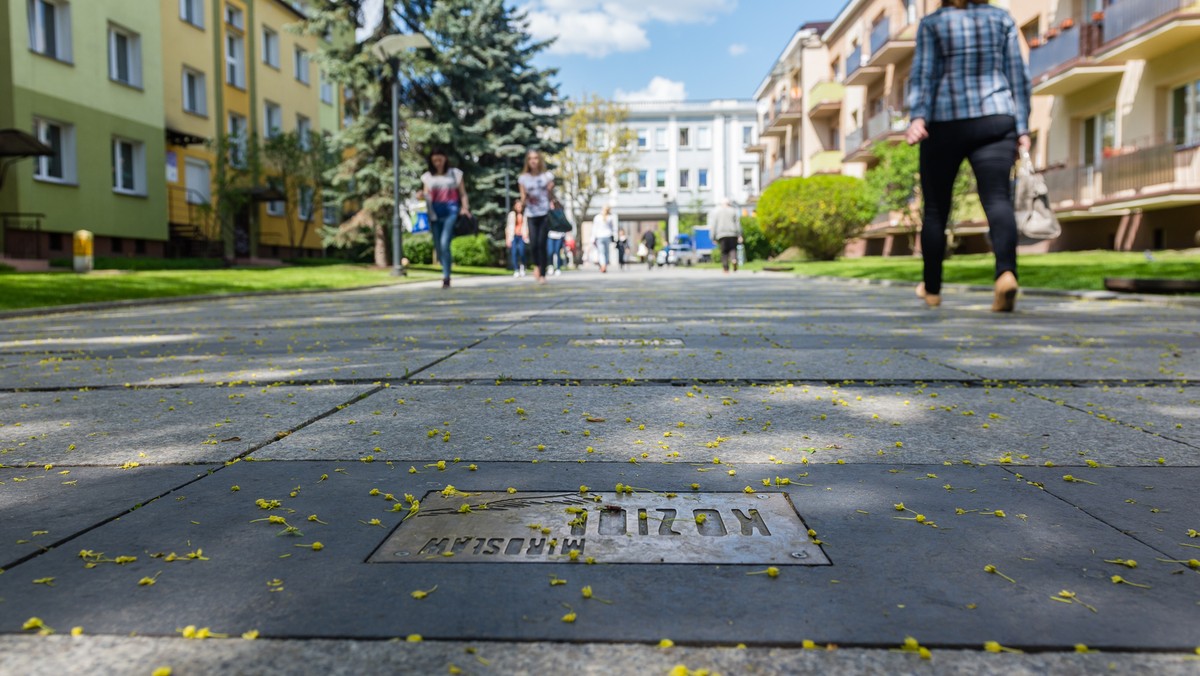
<point x="626" y="320"/>
<point x="642" y="527"/>
<point x="627" y="342"/>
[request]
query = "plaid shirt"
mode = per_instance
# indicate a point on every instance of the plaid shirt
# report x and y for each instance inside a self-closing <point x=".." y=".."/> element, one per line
<point x="968" y="64"/>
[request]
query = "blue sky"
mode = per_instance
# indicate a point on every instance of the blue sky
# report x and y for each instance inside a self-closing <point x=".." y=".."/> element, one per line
<point x="662" y="49"/>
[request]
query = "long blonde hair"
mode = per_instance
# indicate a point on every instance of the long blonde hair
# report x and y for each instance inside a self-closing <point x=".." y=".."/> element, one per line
<point x="541" y="161"/>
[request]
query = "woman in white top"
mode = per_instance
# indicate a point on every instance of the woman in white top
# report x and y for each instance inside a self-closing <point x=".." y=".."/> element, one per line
<point x="603" y="228"/>
<point x="537" y="194"/>
<point x="443" y="187"/>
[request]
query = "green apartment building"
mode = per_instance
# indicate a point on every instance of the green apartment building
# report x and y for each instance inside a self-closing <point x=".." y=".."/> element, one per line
<point x="84" y="76"/>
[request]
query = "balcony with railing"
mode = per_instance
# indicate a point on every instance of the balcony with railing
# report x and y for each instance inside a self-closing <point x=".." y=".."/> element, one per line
<point x="825" y="99"/>
<point x="1128" y="178"/>
<point x="854" y="140"/>
<point x="825" y="162"/>
<point x="892" y="43"/>
<point x="858" y="72"/>
<point x="772" y="172"/>
<point x="1060" y="62"/>
<point x="1147" y="29"/>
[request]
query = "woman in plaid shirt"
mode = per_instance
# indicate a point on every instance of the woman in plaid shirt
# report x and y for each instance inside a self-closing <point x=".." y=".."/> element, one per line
<point x="969" y="99"/>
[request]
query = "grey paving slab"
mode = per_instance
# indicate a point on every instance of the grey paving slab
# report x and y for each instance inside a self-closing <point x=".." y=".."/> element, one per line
<point x="1052" y="363"/>
<point x="155" y="426"/>
<point x="54" y="655"/>
<point x="892" y="576"/>
<point x="1155" y="505"/>
<point x="43" y="506"/>
<point x="803" y="423"/>
<point x="1170" y="411"/>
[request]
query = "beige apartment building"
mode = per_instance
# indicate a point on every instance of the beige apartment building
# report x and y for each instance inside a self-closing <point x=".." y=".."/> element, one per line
<point x="1115" y="116"/>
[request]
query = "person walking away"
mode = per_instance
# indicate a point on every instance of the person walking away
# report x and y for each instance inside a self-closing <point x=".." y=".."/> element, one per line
<point x="602" y="236"/>
<point x="727" y="230"/>
<point x="537" y="194"/>
<point x="442" y="187"/>
<point x="968" y="97"/>
<point x="650" y="241"/>
<point x="622" y="246"/>
<point x="556" y="243"/>
<point x="516" y="235"/>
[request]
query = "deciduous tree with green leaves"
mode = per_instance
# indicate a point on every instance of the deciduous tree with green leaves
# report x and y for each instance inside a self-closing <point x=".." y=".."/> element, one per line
<point x="298" y="167"/>
<point x="896" y="182"/>
<point x="597" y="146"/>
<point x="819" y="214"/>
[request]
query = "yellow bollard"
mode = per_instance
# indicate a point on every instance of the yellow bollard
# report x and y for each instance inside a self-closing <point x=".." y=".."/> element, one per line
<point x="83" y="251"/>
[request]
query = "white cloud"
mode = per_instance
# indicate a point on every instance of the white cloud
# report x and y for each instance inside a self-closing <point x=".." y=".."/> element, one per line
<point x="659" y="89"/>
<point x="598" y="27"/>
<point x="737" y="49"/>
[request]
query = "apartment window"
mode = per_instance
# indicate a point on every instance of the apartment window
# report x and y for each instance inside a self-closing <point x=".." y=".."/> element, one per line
<point x="124" y="56"/>
<point x="306" y="202"/>
<point x="195" y="99"/>
<point x="1030" y="31"/>
<point x="685" y="176"/>
<point x="304" y="131"/>
<point x="702" y="179"/>
<point x="275" y="208"/>
<point x="685" y="137"/>
<point x="270" y="48"/>
<point x="272" y="119"/>
<point x="703" y="138"/>
<point x="660" y="138"/>
<point x="1099" y="137"/>
<point x="643" y="139"/>
<point x="129" y="167"/>
<point x="1184" y="120"/>
<point x="192" y="11"/>
<point x="747" y="134"/>
<point x="234" y="17"/>
<point x="748" y="178"/>
<point x="326" y="89"/>
<point x="59" y="167"/>
<point x="235" y="52"/>
<point x="643" y="183"/>
<point x="330" y="215"/>
<point x="910" y="12"/>
<point x="301" y="63"/>
<point x="50" y="28"/>
<point x="237" y="140"/>
<point x="660" y="178"/>
<point x="623" y="181"/>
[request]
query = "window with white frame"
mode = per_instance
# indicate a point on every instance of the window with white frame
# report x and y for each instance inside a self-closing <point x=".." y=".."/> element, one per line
<point x="326" y="89"/>
<point x="237" y="135"/>
<point x="685" y="176"/>
<point x="660" y="178"/>
<point x="195" y="95"/>
<point x="59" y="167"/>
<point x="747" y="134"/>
<point x="624" y="181"/>
<point x="235" y="17"/>
<point x="643" y="139"/>
<point x="301" y="65"/>
<point x="270" y="48"/>
<point x="50" y="28"/>
<point x="1099" y="137"/>
<point x="124" y="56"/>
<point x="192" y="11"/>
<point x="275" y="208"/>
<point x="235" y="62"/>
<point x="643" y="179"/>
<point x="307" y="196"/>
<point x="748" y="178"/>
<point x="703" y="138"/>
<point x="304" y="131"/>
<point x="685" y="137"/>
<point x="272" y="119"/>
<point x="330" y="214"/>
<point x="702" y="179"/>
<point x="660" y="138"/>
<point x="1184" y="121"/>
<point x="129" y="166"/>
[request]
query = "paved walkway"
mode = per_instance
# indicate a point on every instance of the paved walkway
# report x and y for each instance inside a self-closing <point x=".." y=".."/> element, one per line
<point x="753" y="460"/>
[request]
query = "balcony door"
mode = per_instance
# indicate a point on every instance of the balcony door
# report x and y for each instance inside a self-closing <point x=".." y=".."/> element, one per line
<point x="1099" y="137"/>
<point x="1184" y="121"/>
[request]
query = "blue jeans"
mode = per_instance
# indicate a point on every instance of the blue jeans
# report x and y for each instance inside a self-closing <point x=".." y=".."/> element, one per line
<point x="442" y="228"/>
<point x="603" y="252"/>
<point x="554" y="247"/>
<point x="517" y="255"/>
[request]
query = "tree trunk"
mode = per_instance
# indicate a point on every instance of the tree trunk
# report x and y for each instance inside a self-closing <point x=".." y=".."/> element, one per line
<point x="381" y="259"/>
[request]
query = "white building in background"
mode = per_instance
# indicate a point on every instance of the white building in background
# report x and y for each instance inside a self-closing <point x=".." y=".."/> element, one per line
<point x="687" y="155"/>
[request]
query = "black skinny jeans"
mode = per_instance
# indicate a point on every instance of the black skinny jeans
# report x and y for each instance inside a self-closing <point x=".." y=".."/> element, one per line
<point x="990" y="145"/>
<point x="539" y="234"/>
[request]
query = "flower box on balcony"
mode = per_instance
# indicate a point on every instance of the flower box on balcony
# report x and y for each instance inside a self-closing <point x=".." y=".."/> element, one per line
<point x="1051" y="33"/>
<point x="1067" y="23"/>
<point x="1034" y="43"/>
<point x="1098" y="16"/>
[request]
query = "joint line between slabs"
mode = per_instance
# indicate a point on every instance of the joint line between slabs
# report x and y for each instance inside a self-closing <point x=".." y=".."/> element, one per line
<point x="1122" y="423"/>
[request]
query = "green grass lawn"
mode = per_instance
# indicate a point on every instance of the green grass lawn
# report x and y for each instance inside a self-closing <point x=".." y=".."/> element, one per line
<point x="1083" y="270"/>
<point x="32" y="290"/>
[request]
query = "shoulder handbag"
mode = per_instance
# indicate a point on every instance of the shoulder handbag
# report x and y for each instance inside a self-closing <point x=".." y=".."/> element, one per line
<point x="558" y="221"/>
<point x="466" y="225"/>
<point x="1035" y="217"/>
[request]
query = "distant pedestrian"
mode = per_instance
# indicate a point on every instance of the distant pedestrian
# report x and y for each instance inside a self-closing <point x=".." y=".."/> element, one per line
<point x="649" y="242"/>
<point x="537" y="194"/>
<point x="603" y="227"/>
<point x="622" y="245"/>
<point x="442" y="187"/>
<point x="556" y="245"/>
<point x="969" y="99"/>
<point x="516" y="236"/>
<point x="727" y="230"/>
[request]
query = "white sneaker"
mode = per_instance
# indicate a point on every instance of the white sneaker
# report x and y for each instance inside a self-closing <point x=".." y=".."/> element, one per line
<point x="522" y="270"/>
<point x="516" y="274"/>
<point x="557" y="271"/>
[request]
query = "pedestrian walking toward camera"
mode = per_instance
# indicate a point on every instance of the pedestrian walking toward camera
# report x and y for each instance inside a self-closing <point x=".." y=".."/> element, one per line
<point x="969" y="99"/>
<point x="646" y="249"/>
<point x="516" y="236"/>
<point x="727" y="230"/>
<point x="442" y="188"/>
<point x="537" y="194"/>
<point x="603" y="227"/>
<point x="622" y="246"/>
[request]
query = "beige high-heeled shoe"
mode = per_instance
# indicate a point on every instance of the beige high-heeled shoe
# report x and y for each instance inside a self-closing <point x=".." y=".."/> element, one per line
<point x="931" y="299"/>
<point x="1005" y="298"/>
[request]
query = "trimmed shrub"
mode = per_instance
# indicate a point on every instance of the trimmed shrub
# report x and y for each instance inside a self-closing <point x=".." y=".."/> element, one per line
<point x="418" y="249"/>
<point x="478" y="250"/>
<point x="819" y="214"/>
<point x="758" y="246"/>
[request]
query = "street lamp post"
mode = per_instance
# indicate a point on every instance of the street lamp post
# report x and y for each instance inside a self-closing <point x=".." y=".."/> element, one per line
<point x="387" y="49"/>
<point x="504" y="151"/>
